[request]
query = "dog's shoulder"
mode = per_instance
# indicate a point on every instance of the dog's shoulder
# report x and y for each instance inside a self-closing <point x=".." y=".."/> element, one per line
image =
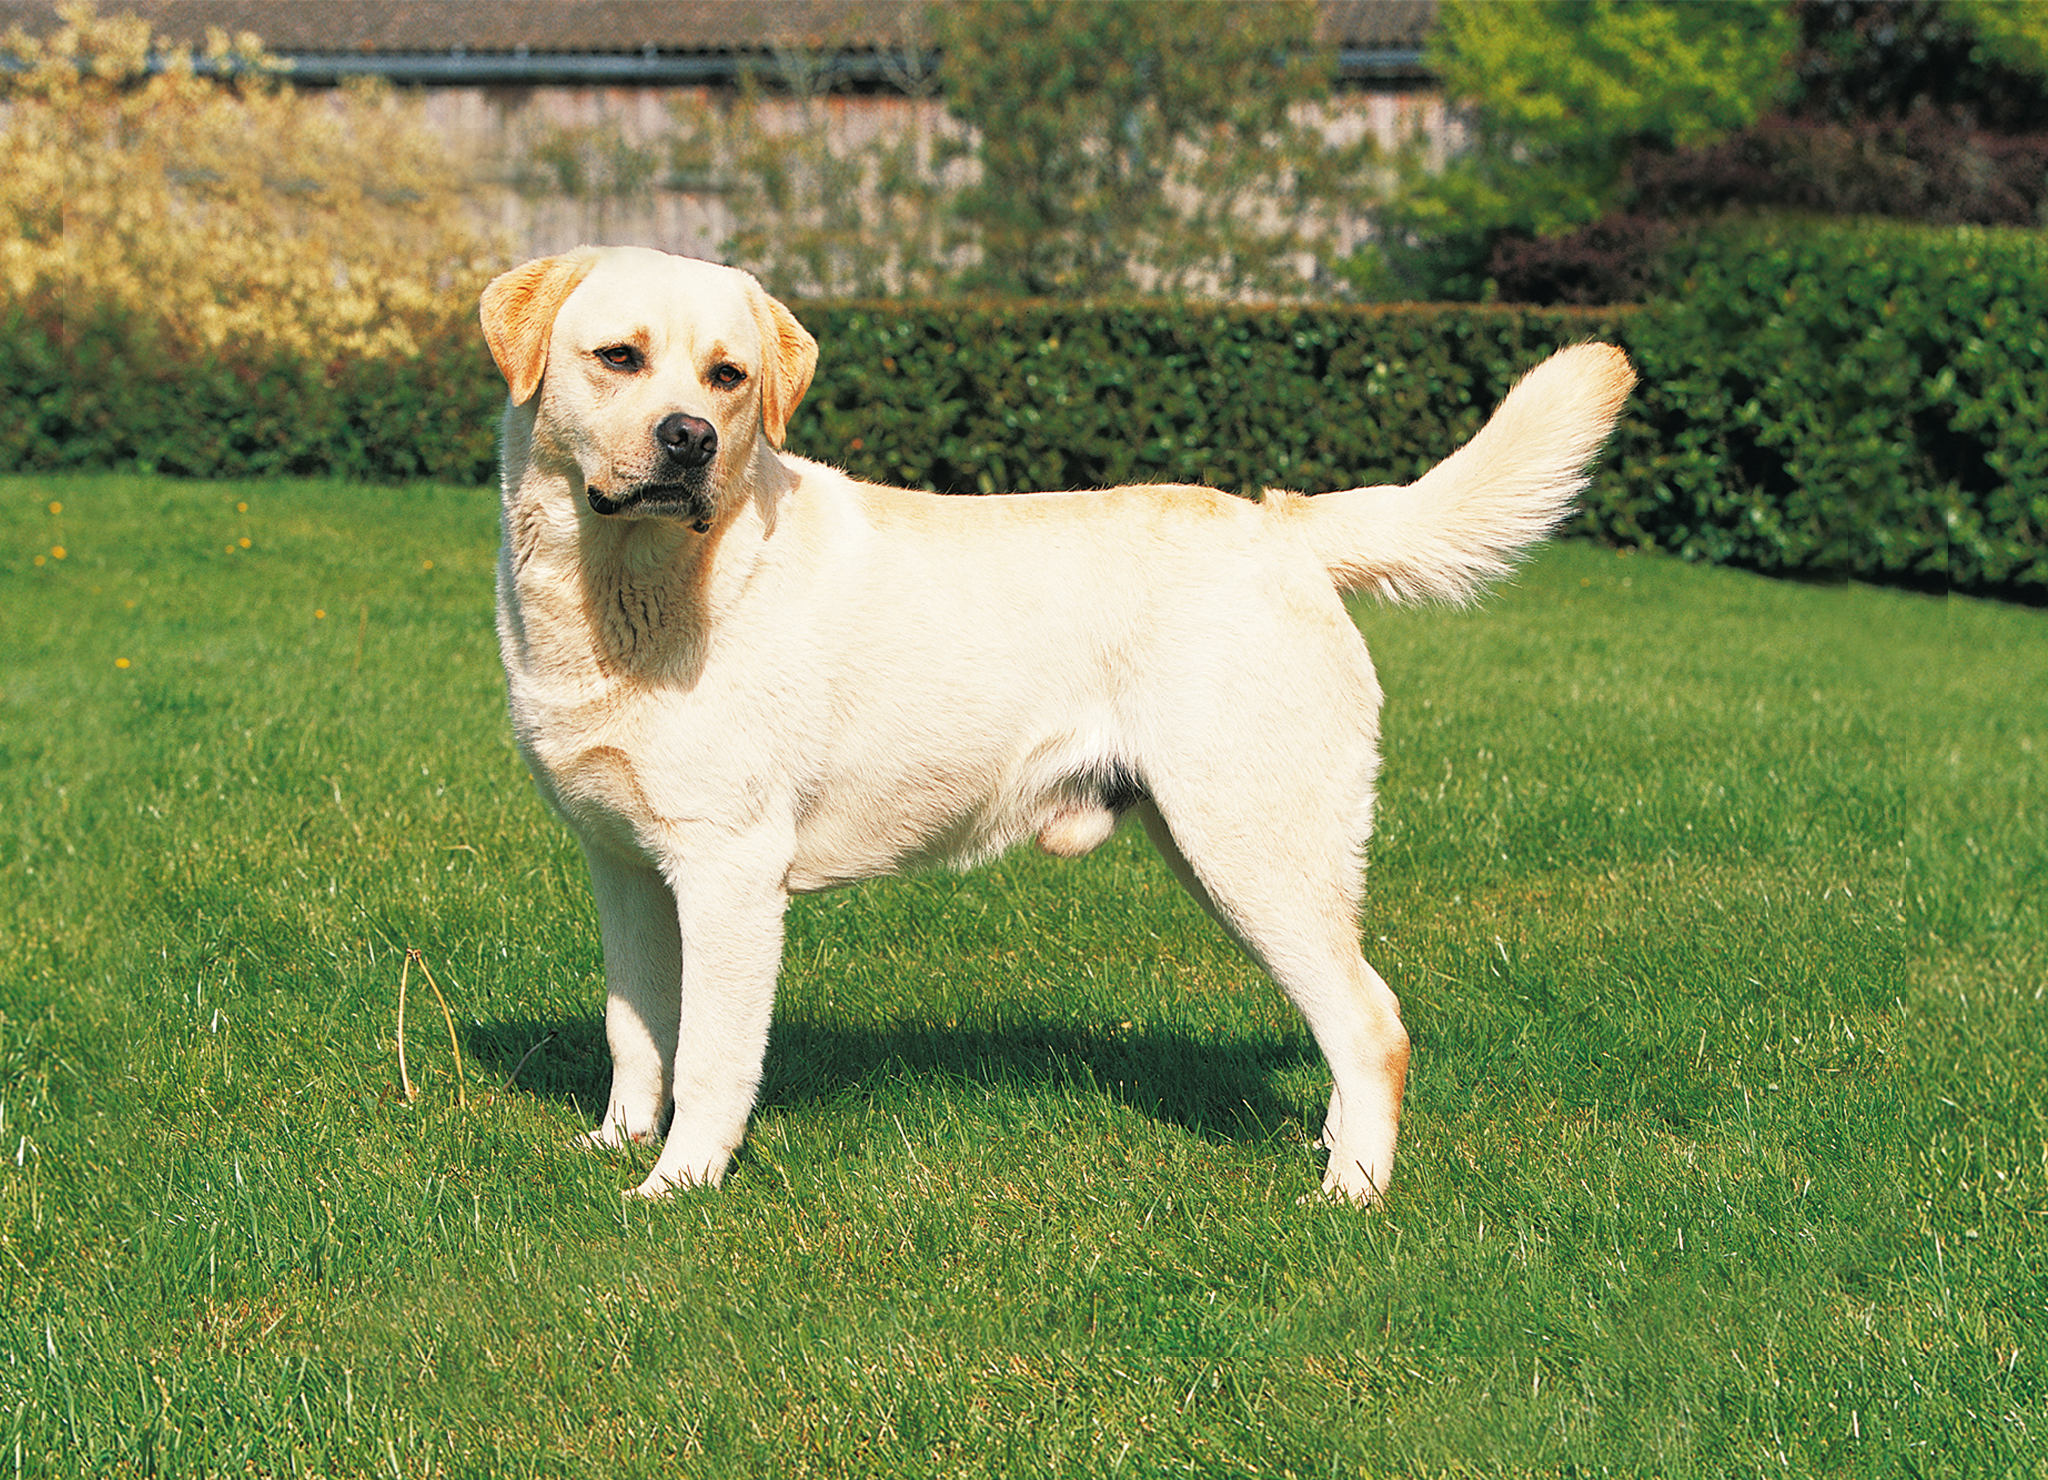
<point x="833" y="492"/>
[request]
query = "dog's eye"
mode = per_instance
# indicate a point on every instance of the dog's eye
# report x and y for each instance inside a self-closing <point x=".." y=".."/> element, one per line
<point x="725" y="377"/>
<point x="621" y="357"/>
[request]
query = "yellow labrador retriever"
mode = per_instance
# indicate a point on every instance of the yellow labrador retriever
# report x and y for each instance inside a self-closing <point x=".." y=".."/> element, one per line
<point x="740" y="675"/>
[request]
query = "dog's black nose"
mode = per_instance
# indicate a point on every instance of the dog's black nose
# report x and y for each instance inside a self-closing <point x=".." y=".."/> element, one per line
<point x="689" y="441"/>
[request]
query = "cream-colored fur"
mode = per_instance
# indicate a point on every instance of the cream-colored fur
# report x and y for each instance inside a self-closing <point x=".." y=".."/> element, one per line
<point x="741" y="675"/>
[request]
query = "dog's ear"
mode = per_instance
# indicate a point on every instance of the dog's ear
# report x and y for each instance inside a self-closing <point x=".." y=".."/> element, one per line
<point x="792" y="358"/>
<point x="518" y="312"/>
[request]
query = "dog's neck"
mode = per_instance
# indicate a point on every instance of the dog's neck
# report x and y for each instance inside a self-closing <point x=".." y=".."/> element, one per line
<point x="590" y="598"/>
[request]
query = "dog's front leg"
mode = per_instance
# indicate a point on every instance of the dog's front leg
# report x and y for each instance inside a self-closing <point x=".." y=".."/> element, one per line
<point x="636" y="917"/>
<point x="731" y="927"/>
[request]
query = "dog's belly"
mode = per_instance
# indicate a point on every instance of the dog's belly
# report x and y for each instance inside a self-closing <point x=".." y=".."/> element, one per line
<point x="842" y="797"/>
<point x="909" y="823"/>
<point x="876" y="823"/>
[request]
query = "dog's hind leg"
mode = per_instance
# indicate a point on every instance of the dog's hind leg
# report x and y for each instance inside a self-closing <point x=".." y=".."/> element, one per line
<point x="636" y="917"/>
<point x="1292" y="904"/>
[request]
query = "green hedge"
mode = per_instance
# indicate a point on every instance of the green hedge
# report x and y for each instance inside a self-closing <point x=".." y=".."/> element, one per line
<point x="98" y="388"/>
<point x="991" y="396"/>
<point x="1868" y="400"/>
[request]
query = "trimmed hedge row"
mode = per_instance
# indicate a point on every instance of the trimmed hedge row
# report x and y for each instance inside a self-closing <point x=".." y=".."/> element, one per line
<point x="101" y="388"/>
<point x="1869" y="400"/>
<point x="1821" y="398"/>
<point x="985" y="397"/>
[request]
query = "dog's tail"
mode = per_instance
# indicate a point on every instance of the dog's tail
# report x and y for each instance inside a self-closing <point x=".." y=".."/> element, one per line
<point x="1465" y="521"/>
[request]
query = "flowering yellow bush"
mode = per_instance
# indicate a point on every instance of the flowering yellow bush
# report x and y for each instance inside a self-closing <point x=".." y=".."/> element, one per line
<point x="231" y="209"/>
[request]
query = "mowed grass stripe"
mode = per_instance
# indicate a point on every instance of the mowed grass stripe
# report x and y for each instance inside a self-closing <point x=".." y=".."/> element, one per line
<point x="1714" y="904"/>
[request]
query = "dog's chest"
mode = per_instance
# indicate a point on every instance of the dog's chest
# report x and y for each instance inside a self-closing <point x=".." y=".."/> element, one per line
<point x="577" y="725"/>
<point x="636" y="771"/>
<point x="582" y="760"/>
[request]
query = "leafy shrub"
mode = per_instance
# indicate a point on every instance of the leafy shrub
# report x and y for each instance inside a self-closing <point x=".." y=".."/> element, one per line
<point x="1617" y="259"/>
<point x="1859" y="398"/>
<point x="238" y="215"/>
<point x="997" y="395"/>
<point x="222" y="276"/>
<point x="1816" y="400"/>
<point x="1928" y="166"/>
<point x="1585" y="137"/>
<point x="1883" y="59"/>
<point x="1557" y="97"/>
<point x="105" y="386"/>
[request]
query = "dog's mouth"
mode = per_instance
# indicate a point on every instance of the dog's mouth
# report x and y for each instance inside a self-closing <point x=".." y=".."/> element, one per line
<point x="686" y="502"/>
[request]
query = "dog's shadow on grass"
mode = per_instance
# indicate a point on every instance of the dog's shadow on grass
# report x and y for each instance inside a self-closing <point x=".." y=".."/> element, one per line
<point x="1221" y="1089"/>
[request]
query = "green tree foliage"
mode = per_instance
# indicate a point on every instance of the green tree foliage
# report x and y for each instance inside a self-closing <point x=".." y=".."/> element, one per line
<point x="2009" y="34"/>
<point x="1977" y="62"/>
<point x="1162" y="144"/>
<point x="1558" y="93"/>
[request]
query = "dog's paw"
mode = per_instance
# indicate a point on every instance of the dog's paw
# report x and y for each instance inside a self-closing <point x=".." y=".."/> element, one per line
<point x="1352" y="1182"/>
<point x="1324" y="1197"/>
<point x="609" y="1138"/>
<point x="661" y="1185"/>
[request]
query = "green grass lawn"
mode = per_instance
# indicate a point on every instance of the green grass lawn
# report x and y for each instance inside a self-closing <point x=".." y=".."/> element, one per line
<point x="1715" y="906"/>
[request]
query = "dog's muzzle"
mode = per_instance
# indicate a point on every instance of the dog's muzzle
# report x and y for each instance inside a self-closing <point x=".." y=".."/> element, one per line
<point x="685" y="446"/>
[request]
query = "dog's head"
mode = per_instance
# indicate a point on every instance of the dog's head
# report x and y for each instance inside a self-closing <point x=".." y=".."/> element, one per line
<point x="656" y="377"/>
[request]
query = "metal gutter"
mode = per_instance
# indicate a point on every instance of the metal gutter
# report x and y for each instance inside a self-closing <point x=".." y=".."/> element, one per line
<point x="613" y="69"/>
<point x="663" y="68"/>
<point x="687" y="69"/>
<point x="1382" y="64"/>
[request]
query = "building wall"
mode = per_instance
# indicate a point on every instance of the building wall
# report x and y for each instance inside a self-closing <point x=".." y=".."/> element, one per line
<point x="504" y="136"/>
